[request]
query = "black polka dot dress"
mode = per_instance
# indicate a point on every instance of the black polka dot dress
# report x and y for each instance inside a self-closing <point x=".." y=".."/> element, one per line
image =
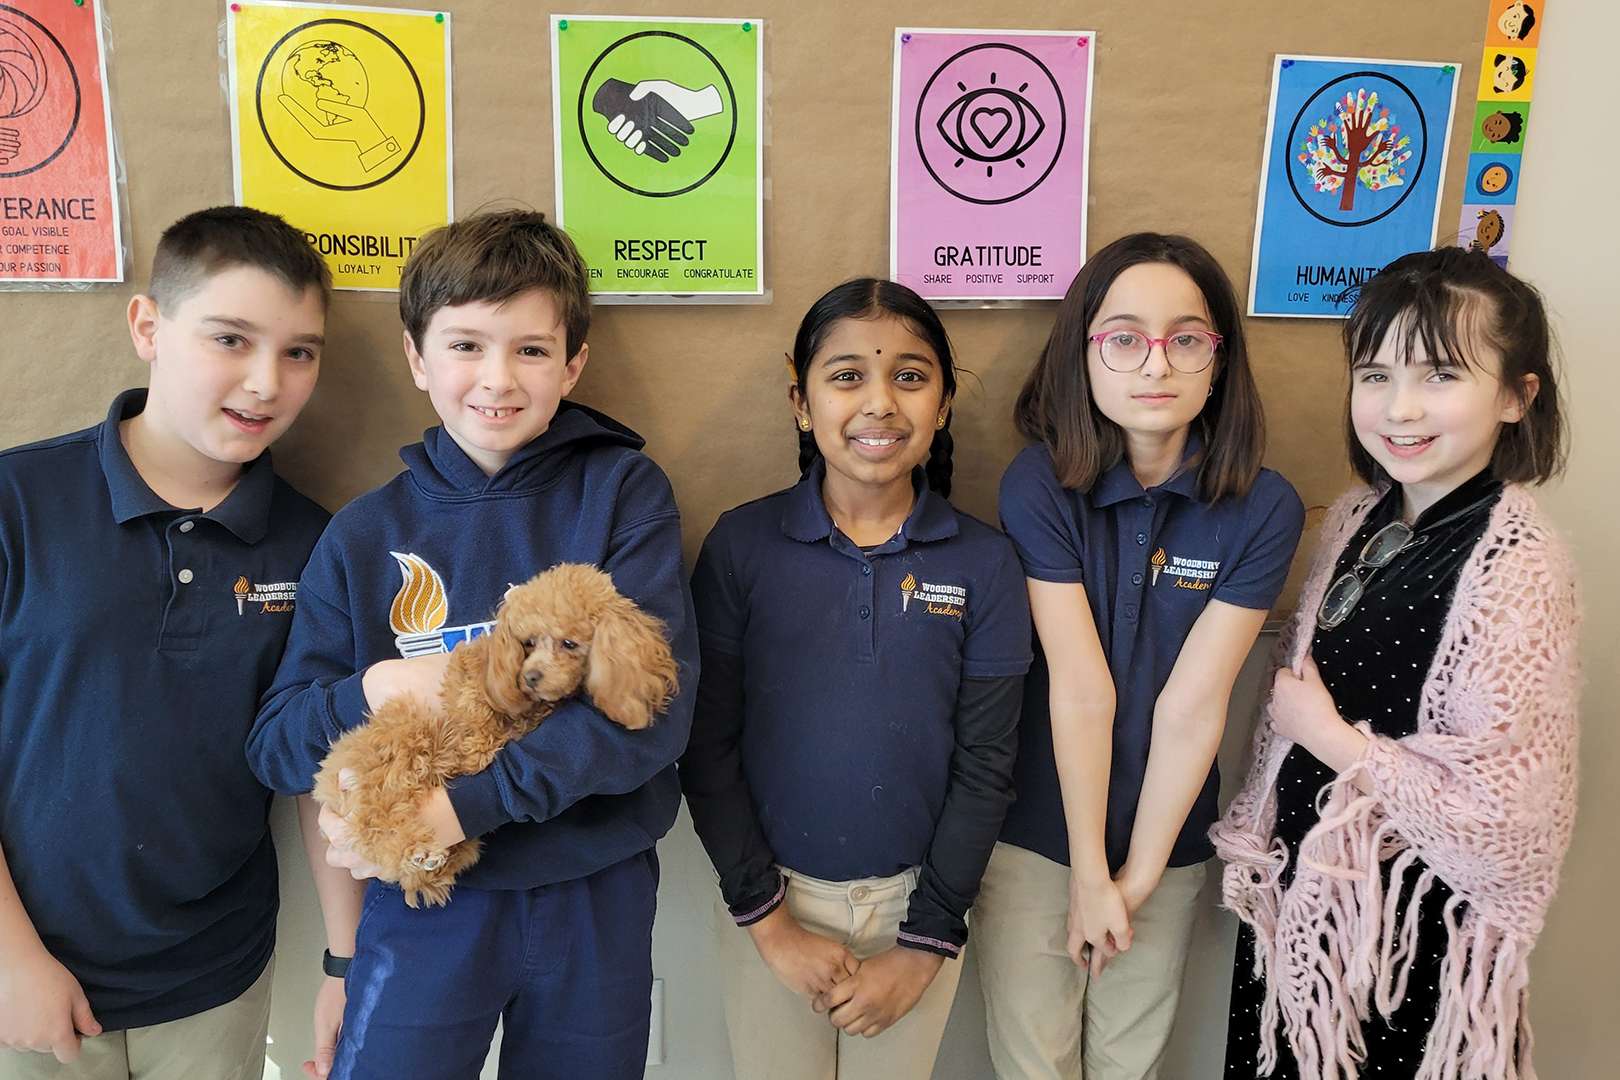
<point x="1375" y="663"/>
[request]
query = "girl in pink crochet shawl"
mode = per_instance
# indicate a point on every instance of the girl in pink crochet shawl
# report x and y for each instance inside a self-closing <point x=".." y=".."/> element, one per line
<point x="1411" y="792"/>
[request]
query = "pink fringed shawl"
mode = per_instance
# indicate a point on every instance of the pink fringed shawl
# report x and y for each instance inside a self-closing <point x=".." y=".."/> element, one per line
<point x="1483" y="794"/>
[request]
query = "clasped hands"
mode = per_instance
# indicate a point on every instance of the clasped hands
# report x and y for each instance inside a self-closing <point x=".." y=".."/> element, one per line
<point x="860" y="997"/>
<point x="1100" y="914"/>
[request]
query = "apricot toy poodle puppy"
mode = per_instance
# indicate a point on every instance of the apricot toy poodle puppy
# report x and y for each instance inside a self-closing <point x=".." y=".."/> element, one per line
<point x="565" y="630"/>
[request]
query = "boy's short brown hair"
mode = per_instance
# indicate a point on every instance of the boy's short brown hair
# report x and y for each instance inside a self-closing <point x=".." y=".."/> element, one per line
<point x="209" y="242"/>
<point x="490" y="258"/>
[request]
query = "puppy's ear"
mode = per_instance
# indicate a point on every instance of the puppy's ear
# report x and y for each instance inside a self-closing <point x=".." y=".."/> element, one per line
<point x="631" y="674"/>
<point x="503" y="669"/>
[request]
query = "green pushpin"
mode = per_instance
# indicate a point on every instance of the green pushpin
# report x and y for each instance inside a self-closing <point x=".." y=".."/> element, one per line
<point x="1448" y="69"/>
<point x="439" y="18"/>
<point x="747" y="26"/>
<point x="562" y="24"/>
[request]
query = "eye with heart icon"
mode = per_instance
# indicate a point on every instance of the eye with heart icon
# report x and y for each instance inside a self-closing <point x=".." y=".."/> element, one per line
<point x="991" y="123"/>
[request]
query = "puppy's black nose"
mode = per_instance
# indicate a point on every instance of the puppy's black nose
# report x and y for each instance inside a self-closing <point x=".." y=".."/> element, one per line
<point x="531" y="679"/>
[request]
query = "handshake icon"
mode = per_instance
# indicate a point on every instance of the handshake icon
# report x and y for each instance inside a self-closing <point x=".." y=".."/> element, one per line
<point x="654" y="117"/>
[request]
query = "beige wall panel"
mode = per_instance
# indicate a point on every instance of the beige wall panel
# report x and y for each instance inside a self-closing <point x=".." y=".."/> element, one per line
<point x="1179" y="115"/>
<point x="1180" y="102"/>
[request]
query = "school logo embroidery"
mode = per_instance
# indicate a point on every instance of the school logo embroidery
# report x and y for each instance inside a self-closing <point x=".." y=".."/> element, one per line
<point x="948" y="600"/>
<point x="1196" y="574"/>
<point x="278" y="596"/>
<point x="421" y="608"/>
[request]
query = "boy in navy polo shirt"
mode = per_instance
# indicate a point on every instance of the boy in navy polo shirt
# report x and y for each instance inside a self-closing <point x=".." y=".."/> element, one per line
<point x="147" y="570"/>
<point x="552" y="929"/>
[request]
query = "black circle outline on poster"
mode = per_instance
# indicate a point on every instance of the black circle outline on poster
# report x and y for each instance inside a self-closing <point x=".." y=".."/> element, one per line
<point x="78" y="96"/>
<point x="731" y="94"/>
<point x="421" y="106"/>
<point x="1063" y="123"/>
<point x="1423" y="131"/>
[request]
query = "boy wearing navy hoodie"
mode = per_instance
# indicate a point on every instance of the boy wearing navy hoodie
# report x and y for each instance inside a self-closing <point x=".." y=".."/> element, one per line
<point x="552" y="929"/>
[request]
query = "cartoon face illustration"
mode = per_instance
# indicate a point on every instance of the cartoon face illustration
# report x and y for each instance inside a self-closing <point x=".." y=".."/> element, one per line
<point x="1500" y="127"/>
<point x="1516" y="21"/>
<point x="1494" y="178"/>
<point x="1490" y="231"/>
<point x="1509" y="74"/>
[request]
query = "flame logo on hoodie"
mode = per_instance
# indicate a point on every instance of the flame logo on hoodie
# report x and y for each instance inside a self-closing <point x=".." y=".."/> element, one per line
<point x="1159" y="562"/>
<point x="907" y="587"/>
<point x="420" y="606"/>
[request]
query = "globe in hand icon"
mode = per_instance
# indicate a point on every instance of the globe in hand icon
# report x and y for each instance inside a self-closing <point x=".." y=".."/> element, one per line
<point x="325" y="71"/>
<point x="340" y="105"/>
<point x="324" y="87"/>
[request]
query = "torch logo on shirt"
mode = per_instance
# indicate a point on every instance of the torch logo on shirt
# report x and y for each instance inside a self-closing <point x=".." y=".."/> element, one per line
<point x="421" y="608"/>
<point x="935" y="599"/>
<point x="277" y="596"/>
<point x="1195" y="574"/>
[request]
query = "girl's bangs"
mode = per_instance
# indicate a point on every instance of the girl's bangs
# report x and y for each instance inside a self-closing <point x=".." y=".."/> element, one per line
<point x="1430" y="329"/>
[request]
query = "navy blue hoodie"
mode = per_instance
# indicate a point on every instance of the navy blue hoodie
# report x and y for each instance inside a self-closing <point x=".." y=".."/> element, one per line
<point x="422" y="563"/>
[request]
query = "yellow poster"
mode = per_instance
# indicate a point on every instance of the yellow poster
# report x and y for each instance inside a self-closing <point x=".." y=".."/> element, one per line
<point x="340" y="123"/>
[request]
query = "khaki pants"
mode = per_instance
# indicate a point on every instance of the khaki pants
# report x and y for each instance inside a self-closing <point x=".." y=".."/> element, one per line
<point x="1044" y="1021"/>
<point x="775" y="1035"/>
<point x="224" y="1043"/>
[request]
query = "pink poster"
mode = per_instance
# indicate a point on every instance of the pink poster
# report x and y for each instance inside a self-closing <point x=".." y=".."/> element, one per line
<point x="991" y="141"/>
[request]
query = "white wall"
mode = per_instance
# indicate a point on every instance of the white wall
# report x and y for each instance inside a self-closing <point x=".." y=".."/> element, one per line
<point x="1563" y="245"/>
<point x="1567" y="191"/>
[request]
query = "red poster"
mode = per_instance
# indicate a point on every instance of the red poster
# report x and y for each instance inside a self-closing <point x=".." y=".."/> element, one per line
<point x="58" y="197"/>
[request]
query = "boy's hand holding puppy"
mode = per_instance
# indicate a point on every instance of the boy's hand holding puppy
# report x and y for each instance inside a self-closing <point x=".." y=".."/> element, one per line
<point x="567" y="629"/>
<point x="420" y="677"/>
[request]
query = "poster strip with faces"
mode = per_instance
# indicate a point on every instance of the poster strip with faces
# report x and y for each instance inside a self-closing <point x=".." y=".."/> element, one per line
<point x="1501" y="116"/>
<point x="1354" y="165"/>
<point x="989" y="156"/>
<point x="659" y="128"/>
<point x="340" y="123"/>
<point x="60" y="213"/>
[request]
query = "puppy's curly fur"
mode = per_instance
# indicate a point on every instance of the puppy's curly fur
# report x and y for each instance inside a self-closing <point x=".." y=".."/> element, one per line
<point x="565" y="630"/>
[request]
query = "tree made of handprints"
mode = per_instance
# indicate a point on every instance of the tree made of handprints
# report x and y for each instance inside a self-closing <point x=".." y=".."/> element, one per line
<point x="1361" y="143"/>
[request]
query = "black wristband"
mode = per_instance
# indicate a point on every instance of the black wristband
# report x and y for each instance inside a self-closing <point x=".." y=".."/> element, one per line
<point x="335" y="966"/>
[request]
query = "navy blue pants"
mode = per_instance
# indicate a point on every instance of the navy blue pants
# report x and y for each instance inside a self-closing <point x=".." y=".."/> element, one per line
<point x="568" y="966"/>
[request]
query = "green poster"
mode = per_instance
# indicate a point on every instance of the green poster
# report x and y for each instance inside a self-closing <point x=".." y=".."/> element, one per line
<point x="658" y="130"/>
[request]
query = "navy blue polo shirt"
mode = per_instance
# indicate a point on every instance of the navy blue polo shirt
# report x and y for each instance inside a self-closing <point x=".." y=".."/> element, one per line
<point x="135" y="640"/>
<point x="852" y="663"/>
<point x="1150" y="560"/>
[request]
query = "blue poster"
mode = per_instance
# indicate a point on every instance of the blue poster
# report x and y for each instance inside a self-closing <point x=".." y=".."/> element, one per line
<point x="1355" y="160"/>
